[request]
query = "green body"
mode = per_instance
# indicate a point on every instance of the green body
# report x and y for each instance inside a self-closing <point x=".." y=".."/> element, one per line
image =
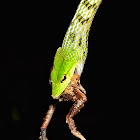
<point x="71" y="56"/>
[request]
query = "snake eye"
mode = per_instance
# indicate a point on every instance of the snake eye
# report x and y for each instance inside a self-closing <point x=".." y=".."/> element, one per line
<point x="50" y="81"/>
<point x="63" y="79"/>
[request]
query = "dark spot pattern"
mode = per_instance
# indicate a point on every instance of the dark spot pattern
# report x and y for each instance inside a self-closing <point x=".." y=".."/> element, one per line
<point x="81" y="19"/>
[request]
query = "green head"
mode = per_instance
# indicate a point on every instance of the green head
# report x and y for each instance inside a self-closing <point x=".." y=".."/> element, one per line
<point x="64" y="66"/>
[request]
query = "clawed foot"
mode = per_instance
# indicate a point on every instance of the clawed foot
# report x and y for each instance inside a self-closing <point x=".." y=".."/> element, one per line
<point x="78" y="135"/>
<point x="43" y="138"/>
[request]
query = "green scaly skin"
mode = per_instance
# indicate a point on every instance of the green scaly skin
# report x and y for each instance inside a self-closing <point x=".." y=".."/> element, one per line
<point x="71" y="56"/>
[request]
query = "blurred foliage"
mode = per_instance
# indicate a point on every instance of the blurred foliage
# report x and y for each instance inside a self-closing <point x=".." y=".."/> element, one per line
<point x="15" y="114"/>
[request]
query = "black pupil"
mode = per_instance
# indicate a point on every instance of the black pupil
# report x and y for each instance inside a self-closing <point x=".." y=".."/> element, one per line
<point x="64" y="78"/>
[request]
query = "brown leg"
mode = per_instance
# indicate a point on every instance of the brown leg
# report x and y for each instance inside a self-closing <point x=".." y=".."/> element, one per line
<point x="79" y="86"/>
<point x="46" y="122"/>
<point x="74" y="110"/>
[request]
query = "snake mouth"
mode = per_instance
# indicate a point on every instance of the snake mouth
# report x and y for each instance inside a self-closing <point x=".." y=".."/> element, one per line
<point x="57" y="95"/>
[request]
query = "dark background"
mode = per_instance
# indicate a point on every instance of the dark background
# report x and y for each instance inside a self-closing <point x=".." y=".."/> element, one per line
<point x="32" y="32"/>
